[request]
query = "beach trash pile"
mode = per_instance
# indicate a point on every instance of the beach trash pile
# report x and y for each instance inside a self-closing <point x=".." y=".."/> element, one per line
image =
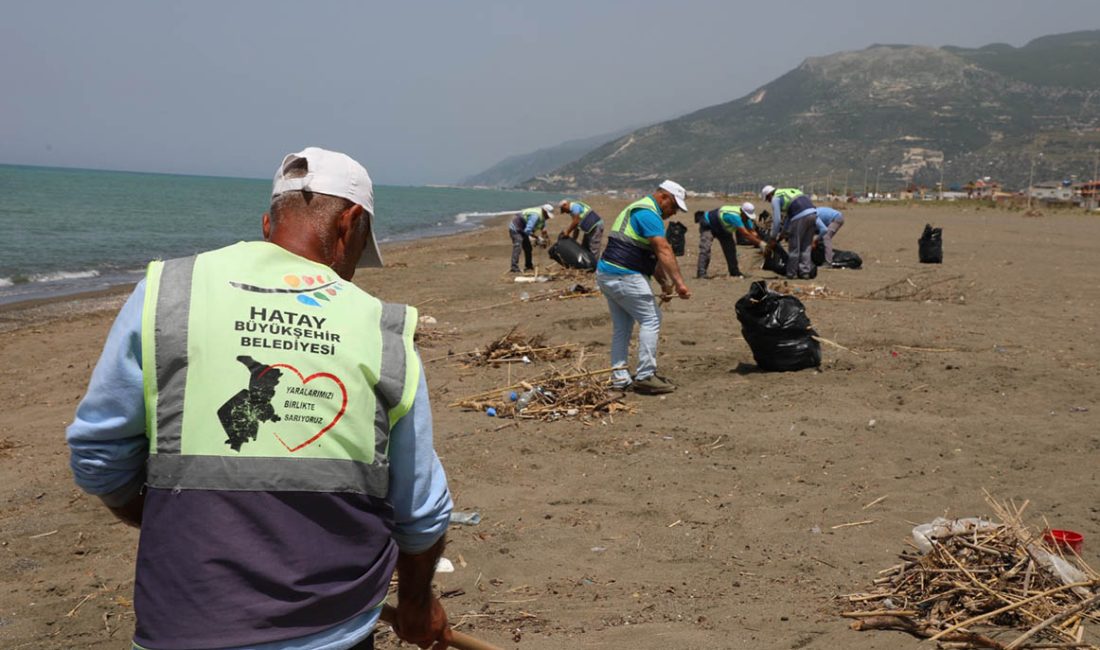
<point x="554" y="395"/>
<point x="985" y="583"/>
<point x="515" y="346"/>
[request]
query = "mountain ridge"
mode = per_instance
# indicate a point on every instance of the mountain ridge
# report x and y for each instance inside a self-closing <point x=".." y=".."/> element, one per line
<point x="892" y="111"/>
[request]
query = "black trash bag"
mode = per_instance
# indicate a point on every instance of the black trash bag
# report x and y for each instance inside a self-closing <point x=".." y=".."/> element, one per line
<point x="846" y="259"/>
<point x="777" y="330"/>
<point x="776" y="261"/>
<point x="572" y="255"/>
<point x="676" y="237"/>
<point x="817" y="254"/>
<point x="931" y="245"/>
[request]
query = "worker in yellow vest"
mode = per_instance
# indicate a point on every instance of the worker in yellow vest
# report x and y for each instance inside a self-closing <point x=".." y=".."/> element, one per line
<point x="265" y="423"/>
<point x="795" y="216"/>
<point x="584" y="220"/>
<point x="637" y="249"/>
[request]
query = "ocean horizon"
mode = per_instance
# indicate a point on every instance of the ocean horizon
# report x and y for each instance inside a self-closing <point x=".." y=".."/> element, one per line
<point x="66" y="230"/>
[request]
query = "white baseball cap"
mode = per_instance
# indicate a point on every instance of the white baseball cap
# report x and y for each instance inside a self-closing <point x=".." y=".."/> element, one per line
<point x="768" y="189"/>
<point x="748" y="209"/>
<point x="677" y="191"/>
<point x="548" y="209"/>
<point x="333" y="174"/>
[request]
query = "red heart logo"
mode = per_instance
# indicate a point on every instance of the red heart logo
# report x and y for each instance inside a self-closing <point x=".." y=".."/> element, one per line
<point x="305" y="380"/>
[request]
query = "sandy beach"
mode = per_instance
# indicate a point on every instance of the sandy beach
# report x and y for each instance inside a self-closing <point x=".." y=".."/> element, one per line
<point x="710" y="518"/>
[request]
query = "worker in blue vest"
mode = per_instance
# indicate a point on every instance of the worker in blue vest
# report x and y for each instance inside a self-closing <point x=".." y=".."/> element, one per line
<point x="795" y="216"/>
<point x="724" y="224"/>
<point x="829" y="221"/>
<point x="637" y="249"/>
<point x="522" y="227"/>
<point x="585" y="220"/>
<point x="265" y="424"/>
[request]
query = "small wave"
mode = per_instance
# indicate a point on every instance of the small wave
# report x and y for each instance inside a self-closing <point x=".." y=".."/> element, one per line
<point x="64" y="275"/>
<point x="6" y="282"/>
<point x="463" y="218"/>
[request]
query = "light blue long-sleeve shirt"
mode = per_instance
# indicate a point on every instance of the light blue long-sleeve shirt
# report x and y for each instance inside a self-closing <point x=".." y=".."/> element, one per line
<point x="108" y="450"/>
<point x="826" y="216"/>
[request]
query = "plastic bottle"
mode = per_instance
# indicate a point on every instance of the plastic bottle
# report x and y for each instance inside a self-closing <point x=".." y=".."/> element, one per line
<point x="524" y="399"/>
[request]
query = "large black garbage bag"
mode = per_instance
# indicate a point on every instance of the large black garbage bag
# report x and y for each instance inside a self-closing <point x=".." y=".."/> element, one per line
<point x="777" y="330"/>
<point x="931" y="245"/>
<point x="846" y="259"/>
<point x="817" y="254"/>
<point x="676" y="237"/>
<point x="572" y="255"/>
<point x="776" y="261"/>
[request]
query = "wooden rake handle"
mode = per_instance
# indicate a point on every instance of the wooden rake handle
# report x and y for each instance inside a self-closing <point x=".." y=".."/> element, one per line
<point x="458" y="639"/>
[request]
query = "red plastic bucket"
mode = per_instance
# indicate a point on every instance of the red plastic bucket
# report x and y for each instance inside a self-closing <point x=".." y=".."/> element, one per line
<point x="1065" y="538"/>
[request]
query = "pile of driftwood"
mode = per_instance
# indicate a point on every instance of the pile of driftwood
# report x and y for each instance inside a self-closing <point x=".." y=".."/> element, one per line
<point x="984" y="584"/>
<point x="516" y="347"/>
<point x="552" y="396"/>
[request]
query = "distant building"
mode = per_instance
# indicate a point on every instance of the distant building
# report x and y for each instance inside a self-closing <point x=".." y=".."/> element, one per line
<point x="983" y="188"/>
<point x="1087" y="194"/>
<point x="1053" y="191"/>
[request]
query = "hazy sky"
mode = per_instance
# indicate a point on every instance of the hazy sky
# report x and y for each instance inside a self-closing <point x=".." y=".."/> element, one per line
<point x="419" y="91"/>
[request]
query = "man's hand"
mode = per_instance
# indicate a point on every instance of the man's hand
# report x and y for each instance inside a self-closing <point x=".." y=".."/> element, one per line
<point x="424" y="629"/>
<point x="420" y="616"/>
<point x="683" y="291"/>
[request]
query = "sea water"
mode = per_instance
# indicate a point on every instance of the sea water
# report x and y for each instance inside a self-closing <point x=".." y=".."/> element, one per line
<point x="65" y="231"/>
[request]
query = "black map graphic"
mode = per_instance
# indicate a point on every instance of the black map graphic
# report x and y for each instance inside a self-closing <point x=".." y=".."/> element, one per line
<point x="242" y="414"/>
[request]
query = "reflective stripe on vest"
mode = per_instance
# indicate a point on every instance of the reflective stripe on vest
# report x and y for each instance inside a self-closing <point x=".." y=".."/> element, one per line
<point x="623" y="230"/>
<point x="588" y="219"/>
<point x="786" y="197"/>
<point x="735" y="210"/>
<point x="538" y="213"/>
<point x="270" y="373"/>
<point x="625" y="247"/>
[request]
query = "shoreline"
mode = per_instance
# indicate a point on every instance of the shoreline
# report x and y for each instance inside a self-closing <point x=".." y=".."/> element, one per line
<point x="35" y="311"/>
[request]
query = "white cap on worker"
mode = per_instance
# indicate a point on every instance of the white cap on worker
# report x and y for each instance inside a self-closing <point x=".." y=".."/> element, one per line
<point x="677" y="191"/>
<point x="748" y="209"/>
<point x="768" y="189"/>
<point x="333" y="174"/>
<point x="548" y="209"/>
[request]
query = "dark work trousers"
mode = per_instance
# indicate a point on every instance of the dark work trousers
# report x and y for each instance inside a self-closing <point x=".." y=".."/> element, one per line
<point x="830" y="232"/>
<point x="521" y="240"/>
<point x="800" y="233"/>
<point x="593" y="240"/>
<point x="729" y="249"/>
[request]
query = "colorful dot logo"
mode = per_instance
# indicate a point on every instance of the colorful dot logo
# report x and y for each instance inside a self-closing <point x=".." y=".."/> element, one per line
<point x="313" y="290"/>
<point x="310" y="290"/>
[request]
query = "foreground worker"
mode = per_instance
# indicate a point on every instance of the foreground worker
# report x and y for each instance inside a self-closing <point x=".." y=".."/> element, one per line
<point x="794" y="215"/>
<point x="266" y="424"/>
<point x="522" y="227"/>
<point x="584" y="220"/>
<point x="829" y="221"/>
<point x="724" y="224"/>
<point x="637" y="249"/>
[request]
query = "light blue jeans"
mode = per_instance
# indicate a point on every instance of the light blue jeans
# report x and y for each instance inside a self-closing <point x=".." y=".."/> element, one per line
<point x="630" y="299"/>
